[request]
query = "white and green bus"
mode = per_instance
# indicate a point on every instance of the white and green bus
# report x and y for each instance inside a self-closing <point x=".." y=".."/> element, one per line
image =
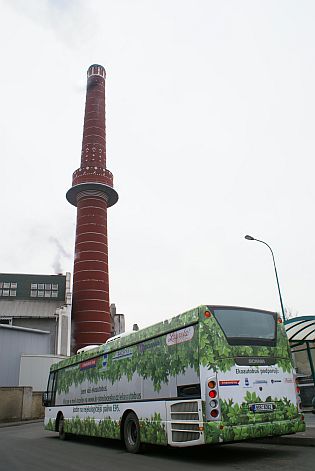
<point x="211" y="375"/>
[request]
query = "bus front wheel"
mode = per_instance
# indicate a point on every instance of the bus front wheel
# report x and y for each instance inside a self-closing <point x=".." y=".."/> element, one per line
<point x="132" y="433"/>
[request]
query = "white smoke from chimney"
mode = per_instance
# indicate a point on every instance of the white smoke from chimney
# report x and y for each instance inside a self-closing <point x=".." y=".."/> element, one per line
<point x="60" y="253"/>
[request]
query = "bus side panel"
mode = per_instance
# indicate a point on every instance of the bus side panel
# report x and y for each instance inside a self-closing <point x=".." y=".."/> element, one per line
<point x="93" y="395"/>
<point x="164" y="367"/>
<point x="104" y="420"/>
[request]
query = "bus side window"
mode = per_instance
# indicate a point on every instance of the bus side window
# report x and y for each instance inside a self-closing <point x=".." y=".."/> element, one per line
<point x="189" y="390"/>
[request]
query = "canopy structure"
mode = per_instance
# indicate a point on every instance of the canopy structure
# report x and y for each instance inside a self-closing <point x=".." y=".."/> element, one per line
<point x="301" y="331"/>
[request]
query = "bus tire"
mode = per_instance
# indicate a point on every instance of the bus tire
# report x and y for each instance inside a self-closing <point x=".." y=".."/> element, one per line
<point x="132" y="433"/>
<point x="61" y="428"/>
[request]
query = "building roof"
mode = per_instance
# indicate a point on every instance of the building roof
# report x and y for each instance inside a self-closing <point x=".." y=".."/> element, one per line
<point x="301" y="329"/>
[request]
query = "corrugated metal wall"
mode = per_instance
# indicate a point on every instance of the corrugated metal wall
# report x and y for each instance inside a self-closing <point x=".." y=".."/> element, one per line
<point x="41" y="324"/>
<point x="14" y="342"/>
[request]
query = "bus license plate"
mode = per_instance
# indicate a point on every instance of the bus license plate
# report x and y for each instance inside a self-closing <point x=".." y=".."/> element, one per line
<point x="263" y="407"/>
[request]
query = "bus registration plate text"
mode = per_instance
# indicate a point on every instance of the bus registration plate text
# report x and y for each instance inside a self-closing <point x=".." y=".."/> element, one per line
<point x="263" y="407"/>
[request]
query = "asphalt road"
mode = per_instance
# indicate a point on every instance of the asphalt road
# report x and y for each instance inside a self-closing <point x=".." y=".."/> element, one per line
<point x="29" y="448"/>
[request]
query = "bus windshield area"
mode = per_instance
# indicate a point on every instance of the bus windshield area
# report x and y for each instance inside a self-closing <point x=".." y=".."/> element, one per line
<point x="247" y="327"/>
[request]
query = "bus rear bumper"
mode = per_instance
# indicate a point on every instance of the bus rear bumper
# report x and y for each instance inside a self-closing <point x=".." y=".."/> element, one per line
<point x="218" y="432"/>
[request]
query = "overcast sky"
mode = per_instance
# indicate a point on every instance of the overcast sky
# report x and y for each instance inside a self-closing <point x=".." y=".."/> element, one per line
<point x="210" y="136"/>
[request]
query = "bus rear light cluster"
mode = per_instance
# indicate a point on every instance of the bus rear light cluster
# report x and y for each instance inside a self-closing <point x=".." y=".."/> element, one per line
<point x="212" y="403"/>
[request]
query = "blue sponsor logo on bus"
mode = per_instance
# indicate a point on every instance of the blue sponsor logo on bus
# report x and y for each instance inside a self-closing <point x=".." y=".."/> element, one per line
<point x="122" y="354"/>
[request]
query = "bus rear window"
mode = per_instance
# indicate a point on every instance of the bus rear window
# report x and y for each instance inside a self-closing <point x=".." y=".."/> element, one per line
<point x="246" y="326"/>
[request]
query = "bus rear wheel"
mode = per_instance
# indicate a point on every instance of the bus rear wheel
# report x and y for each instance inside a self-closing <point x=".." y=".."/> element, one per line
<point x="132" y="433"/>
<point x="61" y="428"/>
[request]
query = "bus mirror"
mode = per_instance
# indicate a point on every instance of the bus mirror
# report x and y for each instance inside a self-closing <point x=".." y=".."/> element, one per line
<point x="45" y="400"/>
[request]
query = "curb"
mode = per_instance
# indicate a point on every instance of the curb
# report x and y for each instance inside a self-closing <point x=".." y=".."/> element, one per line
<point x="24" y="422"/>
<point x="292" y="440"/>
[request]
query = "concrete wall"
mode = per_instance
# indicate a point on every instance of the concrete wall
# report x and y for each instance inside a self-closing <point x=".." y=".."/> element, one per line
<point x="15" y="404"/>
<point x="38" y="410"/>
<point x="18" y="404"/>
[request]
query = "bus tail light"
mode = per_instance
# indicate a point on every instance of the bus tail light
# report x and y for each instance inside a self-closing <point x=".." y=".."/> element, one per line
<point x="212" y="399"/>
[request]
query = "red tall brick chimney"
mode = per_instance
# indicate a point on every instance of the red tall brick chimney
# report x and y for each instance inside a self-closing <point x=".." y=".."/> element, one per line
<point x="92" y="193"/>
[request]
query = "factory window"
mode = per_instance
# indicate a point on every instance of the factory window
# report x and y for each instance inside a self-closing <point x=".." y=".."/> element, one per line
<point x="6" y="285"/>
<point x="12" y="292"/>
<point x="44" y="290"/>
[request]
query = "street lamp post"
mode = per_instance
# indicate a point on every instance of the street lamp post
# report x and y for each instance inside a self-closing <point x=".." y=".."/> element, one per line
<point x="248" y="237"/>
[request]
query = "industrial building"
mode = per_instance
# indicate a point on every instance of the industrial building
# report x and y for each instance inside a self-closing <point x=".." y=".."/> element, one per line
<point x="35" y="327"/>
<point x="38" y="302"/>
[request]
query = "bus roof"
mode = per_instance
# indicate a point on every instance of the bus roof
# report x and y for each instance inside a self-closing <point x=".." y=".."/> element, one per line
<point x="128" y="339"/>
<point x="181" y="320"/>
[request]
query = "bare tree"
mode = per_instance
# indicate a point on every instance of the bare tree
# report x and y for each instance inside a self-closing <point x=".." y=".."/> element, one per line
<point x="290" y="313"/>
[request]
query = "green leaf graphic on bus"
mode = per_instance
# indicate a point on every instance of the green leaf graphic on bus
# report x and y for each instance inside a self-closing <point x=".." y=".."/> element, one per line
<point x="239" y="423"/>
<point x="216" y="353"/>
<point x="155" y="360"/>
<point x="152" y="429"/>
